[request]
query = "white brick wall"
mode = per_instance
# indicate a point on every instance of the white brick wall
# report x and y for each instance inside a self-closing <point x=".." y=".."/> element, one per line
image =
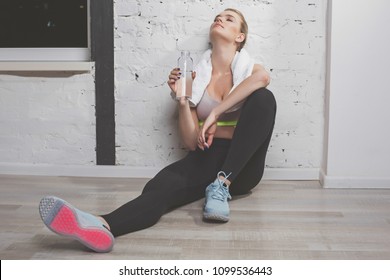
<point x="47" y="120"/>
<point x="51" y="120"/>
<point x="288" y="37"/>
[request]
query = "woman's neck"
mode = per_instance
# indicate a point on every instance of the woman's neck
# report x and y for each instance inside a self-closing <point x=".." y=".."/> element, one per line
<point x="222" y="58"/>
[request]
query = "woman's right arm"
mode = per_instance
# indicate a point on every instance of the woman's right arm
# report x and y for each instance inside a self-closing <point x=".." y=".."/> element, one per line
<point x="188" y="119"/>
<point x="188" y="124"/>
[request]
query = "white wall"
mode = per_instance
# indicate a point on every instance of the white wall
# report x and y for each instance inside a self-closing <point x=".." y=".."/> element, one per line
<point x="358" y="94"/>
<point x="50" y="121"/>
<point x="47" y="119"/>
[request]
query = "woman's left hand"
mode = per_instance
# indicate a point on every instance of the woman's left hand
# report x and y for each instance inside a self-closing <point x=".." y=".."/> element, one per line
<point x="206" y="134"/>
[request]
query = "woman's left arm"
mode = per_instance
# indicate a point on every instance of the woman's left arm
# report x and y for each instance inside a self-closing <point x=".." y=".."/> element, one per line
<point x="259" y="79"/>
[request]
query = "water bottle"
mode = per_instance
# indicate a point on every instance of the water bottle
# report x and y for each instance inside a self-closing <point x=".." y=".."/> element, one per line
<point x="184" y="84"/>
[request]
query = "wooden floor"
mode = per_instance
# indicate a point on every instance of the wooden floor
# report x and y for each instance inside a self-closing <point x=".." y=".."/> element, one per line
<point x="278" y="220"/>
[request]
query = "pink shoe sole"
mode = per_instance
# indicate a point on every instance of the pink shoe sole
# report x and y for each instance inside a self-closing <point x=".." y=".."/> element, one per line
<point x="62" y="218"/>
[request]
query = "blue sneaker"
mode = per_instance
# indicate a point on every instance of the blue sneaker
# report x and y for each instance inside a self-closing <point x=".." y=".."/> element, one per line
<point x="64" y="219"/>
<point x="216" y="205"/>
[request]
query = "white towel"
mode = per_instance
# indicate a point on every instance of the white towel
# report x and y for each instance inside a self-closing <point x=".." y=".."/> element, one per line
<point x="242" y="67"/>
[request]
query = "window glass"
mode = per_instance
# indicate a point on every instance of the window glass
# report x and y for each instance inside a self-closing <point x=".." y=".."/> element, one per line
<point x="43" y="24"/>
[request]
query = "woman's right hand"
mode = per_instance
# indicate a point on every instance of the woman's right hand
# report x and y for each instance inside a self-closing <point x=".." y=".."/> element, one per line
<point x="173" y="77"/>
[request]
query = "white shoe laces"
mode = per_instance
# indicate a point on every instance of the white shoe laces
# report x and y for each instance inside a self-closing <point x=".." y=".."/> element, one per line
<point x="220" y="191"/>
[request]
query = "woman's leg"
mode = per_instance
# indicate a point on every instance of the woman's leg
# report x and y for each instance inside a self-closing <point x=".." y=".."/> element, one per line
<point x="246" y="157"/>
<point x="251" y="174"/>
<point x="180" y="183"/>
<point x="244" y="164"/>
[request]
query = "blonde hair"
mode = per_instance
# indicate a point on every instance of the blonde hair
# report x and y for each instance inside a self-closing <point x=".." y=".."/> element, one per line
<point x="244" y="26"/>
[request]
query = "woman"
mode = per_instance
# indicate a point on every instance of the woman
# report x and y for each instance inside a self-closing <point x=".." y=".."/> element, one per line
<point x="231" y="143"/>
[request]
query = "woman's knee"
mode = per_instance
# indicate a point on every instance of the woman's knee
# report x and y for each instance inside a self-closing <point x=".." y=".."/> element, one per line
<point x="151" y="185"/>
<point x="261" y="103"/>
<point x="263" y="97"/>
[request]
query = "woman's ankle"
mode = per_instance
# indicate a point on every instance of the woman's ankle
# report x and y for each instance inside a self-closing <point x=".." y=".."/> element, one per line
<point x="224" y="180"/>
<point x="104" y="222"/>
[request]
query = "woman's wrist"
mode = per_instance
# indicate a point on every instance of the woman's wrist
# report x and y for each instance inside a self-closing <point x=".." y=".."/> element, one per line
<point x="183" y="101"/>
<point x="216" y="113"/>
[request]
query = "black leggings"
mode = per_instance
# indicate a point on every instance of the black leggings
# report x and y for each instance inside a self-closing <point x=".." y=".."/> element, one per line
<point x="185" y="181"/>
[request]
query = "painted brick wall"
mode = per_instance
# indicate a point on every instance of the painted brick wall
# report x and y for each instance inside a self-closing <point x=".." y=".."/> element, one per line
<point x="51" y="120"/>
<point x="288" y="37"/>
<point x="47" y="120"/>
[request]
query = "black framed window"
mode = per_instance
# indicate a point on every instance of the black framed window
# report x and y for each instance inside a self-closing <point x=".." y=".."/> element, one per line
<point x="44" y="30"/>
<point x="43" y="23"/>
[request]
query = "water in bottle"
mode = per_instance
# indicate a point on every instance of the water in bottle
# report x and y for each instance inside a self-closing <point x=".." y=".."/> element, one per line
<point x="184" y="84"/>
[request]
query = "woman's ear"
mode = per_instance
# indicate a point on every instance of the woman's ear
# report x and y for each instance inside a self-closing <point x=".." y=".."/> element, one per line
<point x="240" y="38"/>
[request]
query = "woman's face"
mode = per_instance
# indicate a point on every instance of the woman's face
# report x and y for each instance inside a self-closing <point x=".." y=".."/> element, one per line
<point x="228" y="26"/>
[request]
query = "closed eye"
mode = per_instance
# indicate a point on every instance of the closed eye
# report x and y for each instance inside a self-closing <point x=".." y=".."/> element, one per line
<point x="228" y="18"/>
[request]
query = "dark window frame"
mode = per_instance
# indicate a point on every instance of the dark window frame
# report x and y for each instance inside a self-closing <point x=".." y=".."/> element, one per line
<point x="102" y="50"/>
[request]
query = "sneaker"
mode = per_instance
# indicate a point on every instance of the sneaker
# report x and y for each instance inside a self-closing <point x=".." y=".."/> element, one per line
<point x="64" y="219"/>
<point x="216" y="205"/>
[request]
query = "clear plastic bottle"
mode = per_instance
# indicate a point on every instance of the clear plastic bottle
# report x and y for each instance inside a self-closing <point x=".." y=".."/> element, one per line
<point x="184" y="84"/>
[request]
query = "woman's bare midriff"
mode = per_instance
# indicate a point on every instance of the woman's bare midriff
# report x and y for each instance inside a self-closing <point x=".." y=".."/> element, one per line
<point x="225" y="132"/>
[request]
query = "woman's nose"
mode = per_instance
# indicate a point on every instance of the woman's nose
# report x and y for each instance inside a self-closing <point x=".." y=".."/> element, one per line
<point x="219" y="19"/>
